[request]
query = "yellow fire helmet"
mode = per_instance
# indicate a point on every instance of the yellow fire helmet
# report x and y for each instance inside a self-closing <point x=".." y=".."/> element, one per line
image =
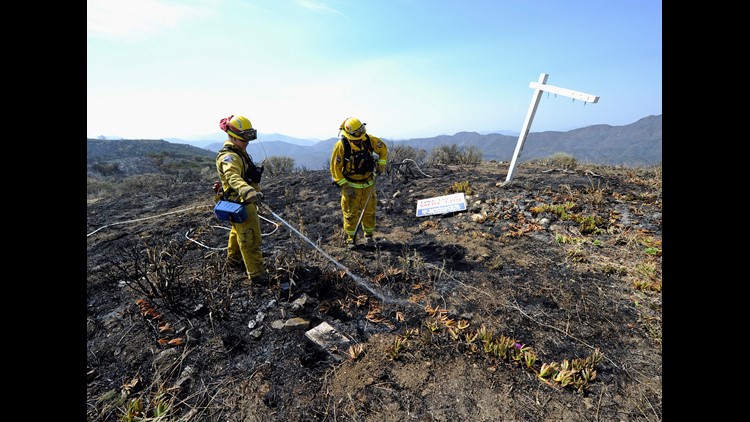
<point x="353" y="129"/>
<point x="239" y="127"/>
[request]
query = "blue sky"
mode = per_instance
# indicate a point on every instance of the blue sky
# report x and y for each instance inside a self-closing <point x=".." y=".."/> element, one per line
<point x="408" y="68"/>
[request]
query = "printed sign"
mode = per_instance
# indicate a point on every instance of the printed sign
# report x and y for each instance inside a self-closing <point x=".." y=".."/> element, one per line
<point x="441" y="204"/>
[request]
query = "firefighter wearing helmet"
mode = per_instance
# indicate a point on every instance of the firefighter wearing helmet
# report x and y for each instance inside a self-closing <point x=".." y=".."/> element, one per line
<point x="352" y="169"/>
<point x="240" y="182"/>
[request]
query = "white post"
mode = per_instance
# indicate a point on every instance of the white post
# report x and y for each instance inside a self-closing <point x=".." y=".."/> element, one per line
<point x="539" y="87"/>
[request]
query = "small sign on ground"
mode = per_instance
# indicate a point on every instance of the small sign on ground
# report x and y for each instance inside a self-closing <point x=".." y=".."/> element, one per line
<point x="329" y="339"/>
<point x="441" y="204"/>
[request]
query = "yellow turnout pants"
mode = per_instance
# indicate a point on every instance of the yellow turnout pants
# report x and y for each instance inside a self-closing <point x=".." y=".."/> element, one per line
<point x="352" y="208"/>
<point x="244" y="242"/>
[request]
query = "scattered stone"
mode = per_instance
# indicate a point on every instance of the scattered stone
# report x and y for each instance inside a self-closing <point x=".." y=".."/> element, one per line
<point x="299" y="303"/>
<point x="164" y="360"/>
<point x="478" y="218"/>
<point x="185" y="376"/>
<point x="271" y="304"/>
<point x="290" y="323"/>
<point x="259" y="317"/>
<point x="256" y="333"/>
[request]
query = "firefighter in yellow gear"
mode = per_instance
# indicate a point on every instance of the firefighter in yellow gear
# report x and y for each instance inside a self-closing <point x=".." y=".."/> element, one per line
<point x="240" y="181"/>
<point x="352" y="166"/>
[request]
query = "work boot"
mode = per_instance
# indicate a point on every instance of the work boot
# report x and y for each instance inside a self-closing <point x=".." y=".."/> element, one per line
<point x="350" y="243"/>
<point x="234" y="264"/>
<point x="260" y="280"/>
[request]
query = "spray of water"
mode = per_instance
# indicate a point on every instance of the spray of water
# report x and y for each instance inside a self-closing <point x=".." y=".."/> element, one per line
<point x="359" y="280"/>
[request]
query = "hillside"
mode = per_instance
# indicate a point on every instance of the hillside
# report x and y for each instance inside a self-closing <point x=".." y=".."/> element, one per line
<point x="636" y="144"/>
<point x="542" y="301"/>
<point x="127" y="157"/>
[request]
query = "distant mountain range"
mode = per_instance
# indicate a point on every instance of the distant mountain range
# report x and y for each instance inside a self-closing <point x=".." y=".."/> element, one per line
<point x="214" y="141"/>
<point x="636" y="144"/>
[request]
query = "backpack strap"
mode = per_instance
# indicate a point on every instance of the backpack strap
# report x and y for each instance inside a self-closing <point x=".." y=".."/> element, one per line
<point x="352" y="160"/>
<point x="227" y="149"/>
<point x="348" y="148"/>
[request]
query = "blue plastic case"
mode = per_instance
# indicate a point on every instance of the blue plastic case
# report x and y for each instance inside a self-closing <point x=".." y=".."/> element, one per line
<point x="230" y="211"/>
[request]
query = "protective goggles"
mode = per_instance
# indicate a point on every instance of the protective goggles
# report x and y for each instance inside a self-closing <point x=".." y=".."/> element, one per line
<point x="359" y="132"/>
<point x="247" y="135"/>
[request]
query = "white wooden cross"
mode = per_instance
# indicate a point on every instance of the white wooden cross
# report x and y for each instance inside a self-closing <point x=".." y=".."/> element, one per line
<point x="539" y="87"/>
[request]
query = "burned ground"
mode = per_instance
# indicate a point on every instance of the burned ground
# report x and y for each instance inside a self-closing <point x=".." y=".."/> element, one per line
<point x="564" y="263"/>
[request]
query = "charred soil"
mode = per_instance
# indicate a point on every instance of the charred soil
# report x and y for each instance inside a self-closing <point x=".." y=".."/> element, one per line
<point x="564" y="263"/>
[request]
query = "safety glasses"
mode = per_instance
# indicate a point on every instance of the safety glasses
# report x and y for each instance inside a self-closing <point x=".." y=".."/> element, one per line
<point x="246" y="135"/>
<point x="359" y="132"/>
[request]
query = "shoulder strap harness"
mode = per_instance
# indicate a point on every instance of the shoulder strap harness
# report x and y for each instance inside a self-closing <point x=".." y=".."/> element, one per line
<point x="353" y="169"/>
<point x="252" y="173"/>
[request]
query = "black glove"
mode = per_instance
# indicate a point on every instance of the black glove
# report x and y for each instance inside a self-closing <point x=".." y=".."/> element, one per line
<point x="253" y="196"/>
<point x="348" y="191"/>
